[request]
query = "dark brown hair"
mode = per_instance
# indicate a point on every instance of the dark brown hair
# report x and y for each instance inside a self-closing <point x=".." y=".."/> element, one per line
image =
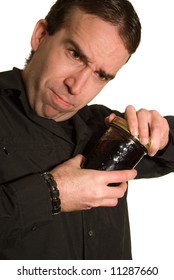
<point x="120" y="13"/>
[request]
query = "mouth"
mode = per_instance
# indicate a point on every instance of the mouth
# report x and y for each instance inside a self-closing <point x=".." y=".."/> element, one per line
<point x="58" y="100"/>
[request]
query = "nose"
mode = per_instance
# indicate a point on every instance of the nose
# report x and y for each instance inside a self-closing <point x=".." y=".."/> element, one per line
<point x="76" y="81"/>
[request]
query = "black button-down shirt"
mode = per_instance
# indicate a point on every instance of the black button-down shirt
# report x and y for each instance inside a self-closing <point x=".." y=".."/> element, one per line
<point x="30" y="145"/>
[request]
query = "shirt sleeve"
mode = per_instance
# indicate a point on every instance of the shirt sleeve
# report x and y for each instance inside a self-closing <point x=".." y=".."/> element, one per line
<point x="24" y="204"/>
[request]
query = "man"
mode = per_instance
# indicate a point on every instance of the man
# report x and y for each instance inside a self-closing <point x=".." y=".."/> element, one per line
<point x="50" y="206"/>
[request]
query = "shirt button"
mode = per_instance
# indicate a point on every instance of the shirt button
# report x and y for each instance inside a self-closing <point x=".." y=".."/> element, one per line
<point x="34" y="228"/>
<point x="91" y="233"/>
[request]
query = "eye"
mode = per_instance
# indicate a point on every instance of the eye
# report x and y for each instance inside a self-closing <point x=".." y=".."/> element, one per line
<point x="102" y="76"/>
<point x="74" y="54"/>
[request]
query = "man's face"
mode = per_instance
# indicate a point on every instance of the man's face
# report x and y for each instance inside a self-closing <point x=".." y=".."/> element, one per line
<point x="72" y="66"/>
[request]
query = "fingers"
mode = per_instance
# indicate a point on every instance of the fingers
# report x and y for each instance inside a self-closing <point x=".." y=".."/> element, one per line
<point x="107" y="196"/>
<point x="117" y="191"/>
<point x="104" y="195"/>
<point x="138" y="122"/>
<point x="113" y="195"/>
<point x="144" y="126"/>
<point x="109" y="118"/>
<point x="159" y="131"/>
<point x="131" y="116"/>
<point x="149" y="126"/>
<point x="118" y="176"/>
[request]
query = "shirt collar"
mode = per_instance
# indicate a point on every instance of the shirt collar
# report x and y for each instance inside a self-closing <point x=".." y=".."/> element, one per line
<point x="12" y="80"/>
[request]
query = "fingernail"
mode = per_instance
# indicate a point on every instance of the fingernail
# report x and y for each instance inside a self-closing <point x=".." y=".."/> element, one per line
<point x="134" y="133"/>
<point x="144" y="141"/>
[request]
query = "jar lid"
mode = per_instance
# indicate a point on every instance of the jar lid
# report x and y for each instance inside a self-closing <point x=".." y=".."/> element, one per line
<point x="124" y="125"/>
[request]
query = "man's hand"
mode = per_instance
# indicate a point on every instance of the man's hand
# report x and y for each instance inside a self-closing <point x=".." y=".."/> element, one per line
<point x="149" y="126"/>
<point x="82" y="189"/>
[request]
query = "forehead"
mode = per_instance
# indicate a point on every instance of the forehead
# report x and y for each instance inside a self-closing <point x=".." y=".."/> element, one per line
<point x="98" y="39"/>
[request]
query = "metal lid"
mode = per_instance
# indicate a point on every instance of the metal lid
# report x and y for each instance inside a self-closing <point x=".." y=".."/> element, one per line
<point x="118" y="121"/>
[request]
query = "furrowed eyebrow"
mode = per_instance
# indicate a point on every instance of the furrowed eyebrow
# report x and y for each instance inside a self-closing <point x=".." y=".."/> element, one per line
<point x="108" y="76"/>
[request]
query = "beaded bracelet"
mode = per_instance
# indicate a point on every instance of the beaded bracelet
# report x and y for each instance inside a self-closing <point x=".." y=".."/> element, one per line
<point x="54" y="192"/>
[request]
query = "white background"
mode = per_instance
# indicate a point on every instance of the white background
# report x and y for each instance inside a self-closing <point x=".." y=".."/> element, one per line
<point x="146" y="81"/>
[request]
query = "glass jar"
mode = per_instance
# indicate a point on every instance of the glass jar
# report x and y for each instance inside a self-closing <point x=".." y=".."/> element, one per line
<point x="117" y="149"/>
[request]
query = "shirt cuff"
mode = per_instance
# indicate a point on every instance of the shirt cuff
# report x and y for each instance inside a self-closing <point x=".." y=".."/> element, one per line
<point x="33" y="200"/>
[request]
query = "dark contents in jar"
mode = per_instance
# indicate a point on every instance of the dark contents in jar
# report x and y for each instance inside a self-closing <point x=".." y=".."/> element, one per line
<point x="124" y="152"/>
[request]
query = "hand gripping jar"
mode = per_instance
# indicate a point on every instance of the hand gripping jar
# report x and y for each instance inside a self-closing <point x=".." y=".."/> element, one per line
<point x="117" y="149"/>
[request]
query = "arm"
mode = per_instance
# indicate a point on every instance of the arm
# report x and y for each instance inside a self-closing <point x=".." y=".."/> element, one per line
<point x="163" y="161"/>
<point x="25" y="203"/>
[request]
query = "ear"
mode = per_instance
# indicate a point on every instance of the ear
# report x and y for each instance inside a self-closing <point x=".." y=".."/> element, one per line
<point x="40" y="31"/>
